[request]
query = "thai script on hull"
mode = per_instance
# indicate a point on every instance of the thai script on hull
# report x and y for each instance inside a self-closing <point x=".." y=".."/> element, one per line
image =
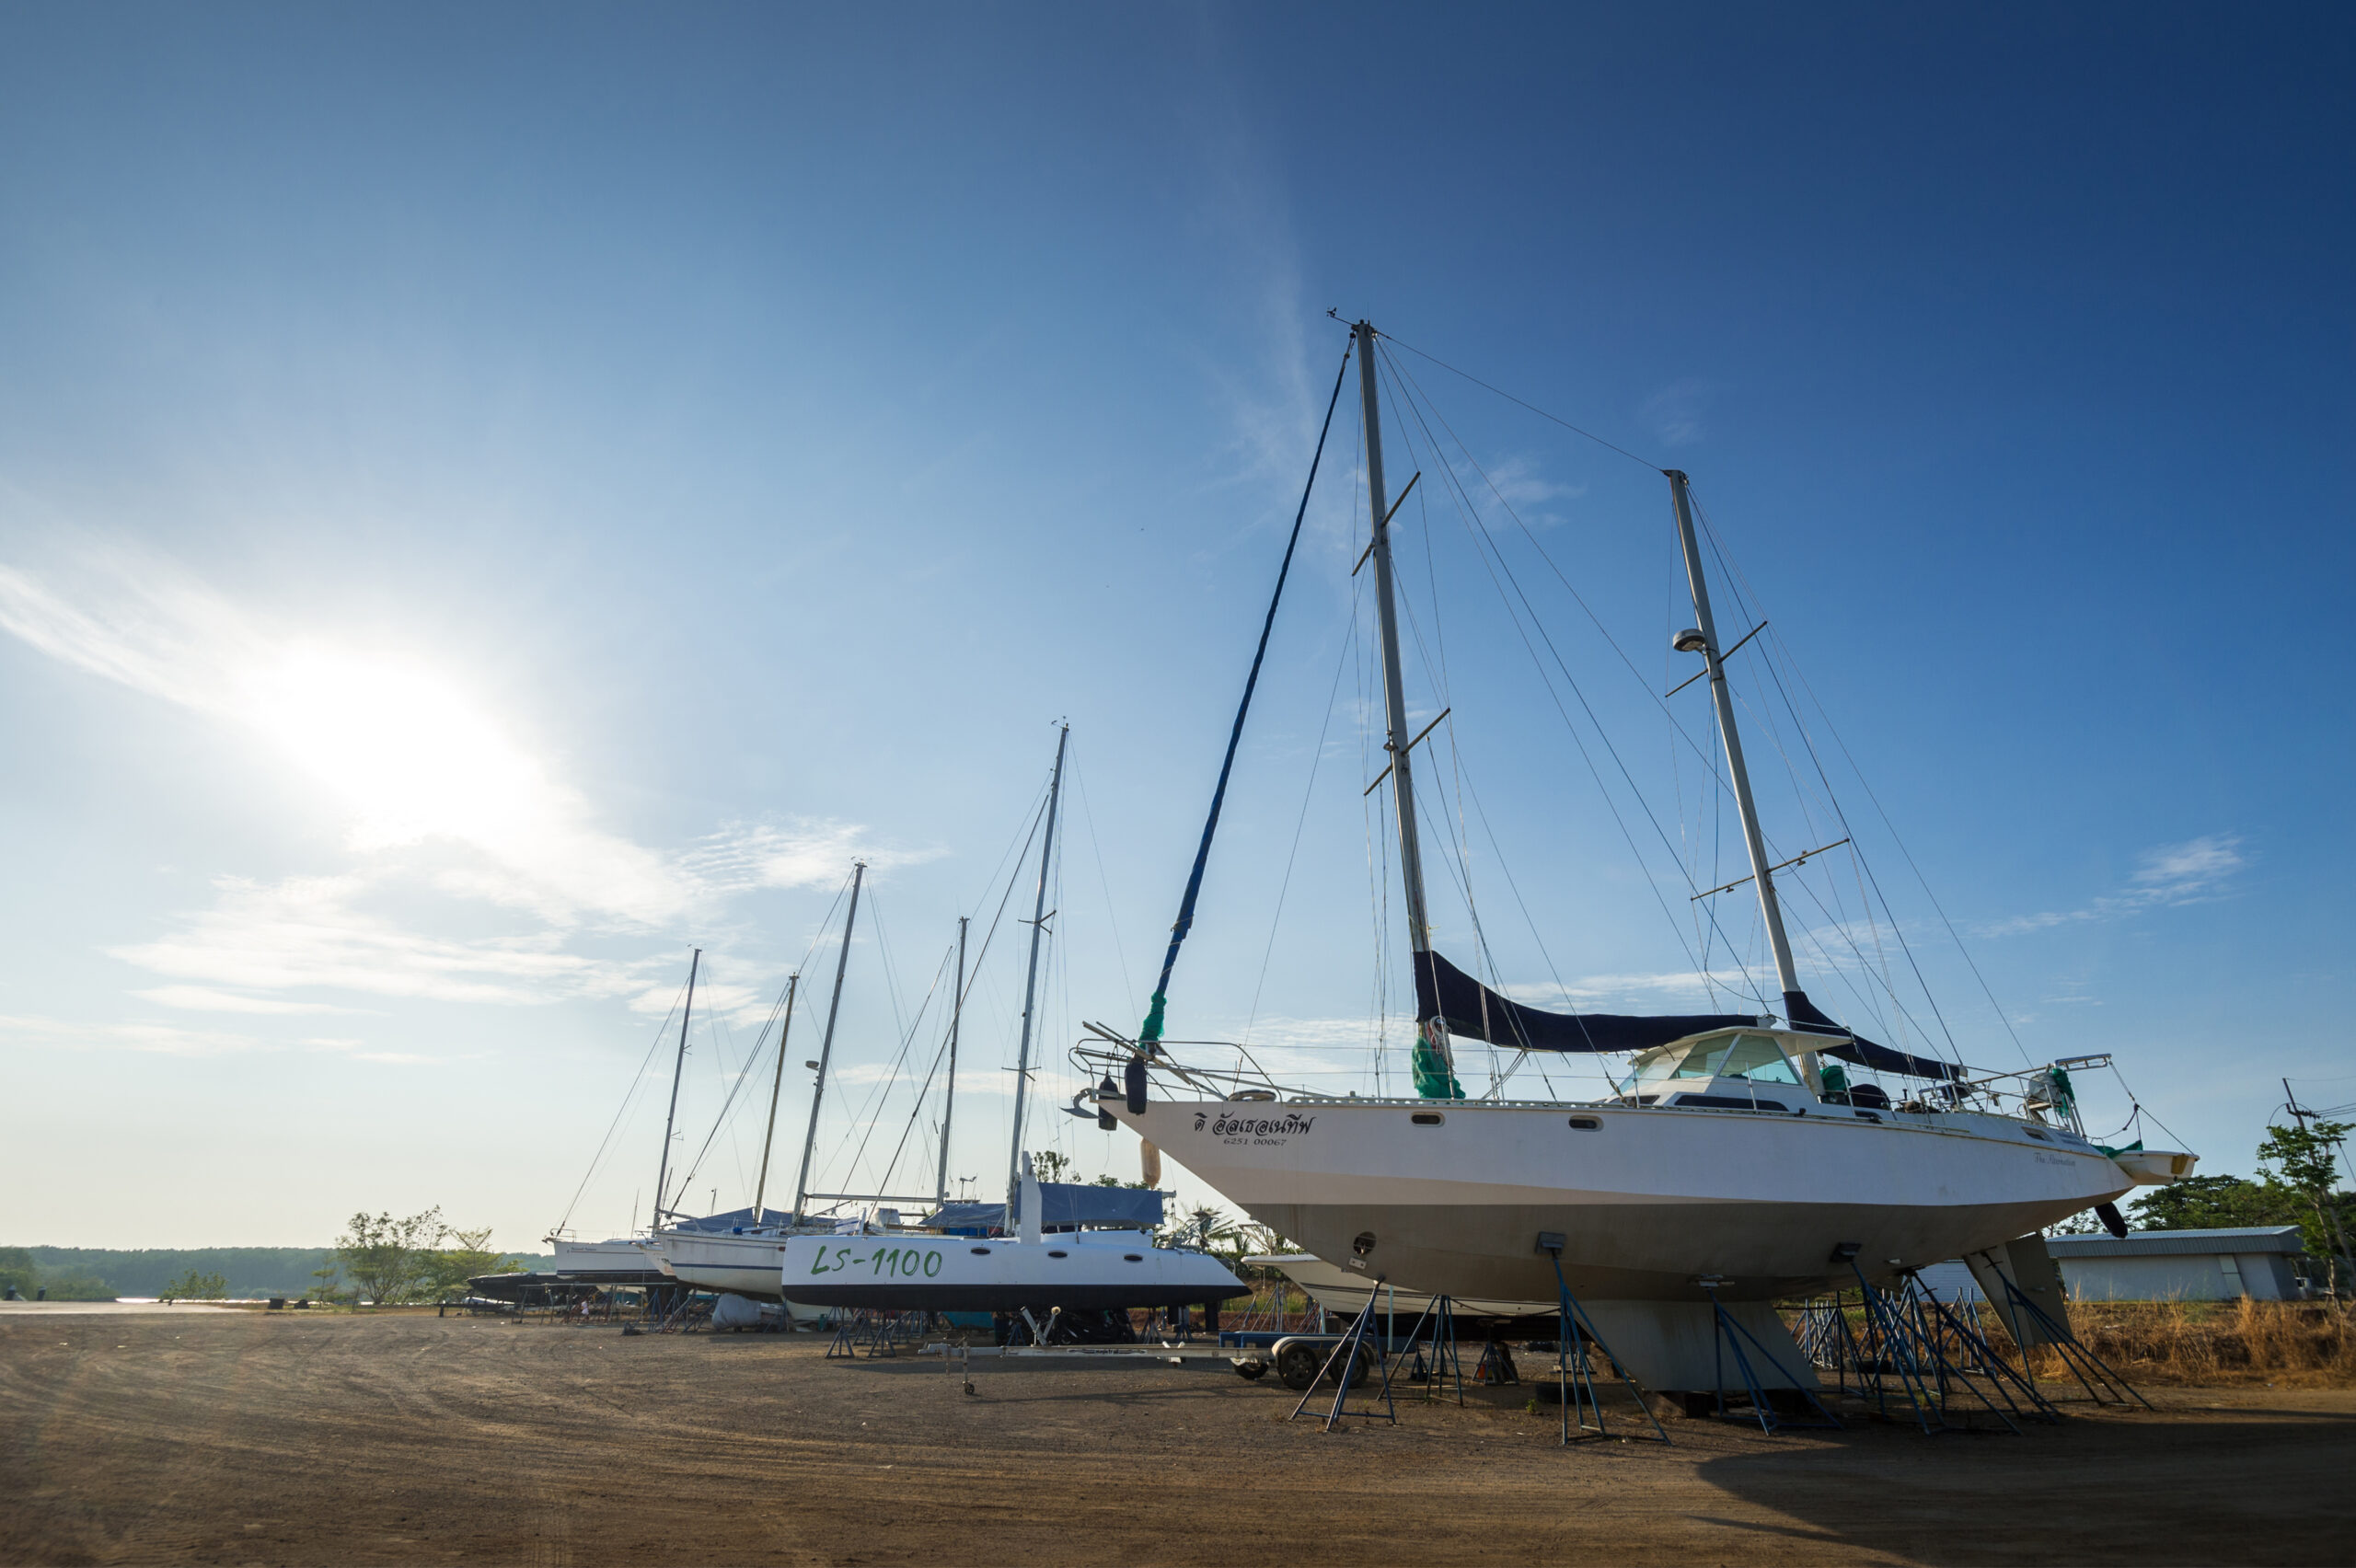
<point x="1254" y="1126"/>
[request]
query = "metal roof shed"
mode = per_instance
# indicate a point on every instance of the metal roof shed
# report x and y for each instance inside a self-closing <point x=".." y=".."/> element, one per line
<point x="2181" y="1265"/>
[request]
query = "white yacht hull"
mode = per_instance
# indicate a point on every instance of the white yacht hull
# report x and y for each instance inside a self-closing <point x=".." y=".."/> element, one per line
<point x="1650" y="1200"/>
<point x="617" y="1262"/>
<point x="738" y="1265"/>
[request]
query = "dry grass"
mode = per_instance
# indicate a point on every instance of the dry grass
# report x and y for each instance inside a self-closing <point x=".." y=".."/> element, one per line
<point x="2294" y="1343"/>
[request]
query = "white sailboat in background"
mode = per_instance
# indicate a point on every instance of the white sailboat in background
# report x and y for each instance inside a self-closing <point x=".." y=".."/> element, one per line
<point x="1096" y="1268"/>
<point x="740" y="1253"/>
<point x="1735" y="1162"/>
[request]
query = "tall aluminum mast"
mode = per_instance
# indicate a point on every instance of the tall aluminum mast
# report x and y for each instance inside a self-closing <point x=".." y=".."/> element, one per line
<point x="1031" y="981"/>
<point x="1394" y="698"/>
<point x="678" y="1069"/>
<point x="777" y="1087"/>
<point x="949" y="1097"/>
<point x="1768" y="908"/>
<point x="826" y="1045"/>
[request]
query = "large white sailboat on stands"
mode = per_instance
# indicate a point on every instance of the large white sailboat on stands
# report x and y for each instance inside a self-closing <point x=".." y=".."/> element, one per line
<point x="1735" y="1159"/>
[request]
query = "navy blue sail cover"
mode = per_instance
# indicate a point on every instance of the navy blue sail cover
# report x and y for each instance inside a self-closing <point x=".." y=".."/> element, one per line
<point x="1468" y="1008"/>
<point x="1803" y="1015"/>
<point x="1471" y="1009"/>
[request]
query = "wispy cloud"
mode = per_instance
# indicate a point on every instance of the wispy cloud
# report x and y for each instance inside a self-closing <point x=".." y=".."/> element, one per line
<point x="1674" y="414"/>
<point x="2169" y="874"/>
<point x="171" y="1040"/>
<point x="441" y="799"/>
<point x="207" y="998"/>
<point x="311" y="932"/>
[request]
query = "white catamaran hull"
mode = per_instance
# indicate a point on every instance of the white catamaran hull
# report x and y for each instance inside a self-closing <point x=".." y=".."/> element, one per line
<point x="1452" y="1197"/>
<point x="1084" y="1269"/>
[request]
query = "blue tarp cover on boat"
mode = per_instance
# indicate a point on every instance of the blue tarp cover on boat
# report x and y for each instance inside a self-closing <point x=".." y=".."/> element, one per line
<point x="722" y="1223"/>
<point x="1063" y="1203"/>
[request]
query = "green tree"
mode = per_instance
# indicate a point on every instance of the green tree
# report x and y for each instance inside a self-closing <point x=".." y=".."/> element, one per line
<point x="386" y="1258"/>
<point x="76" y="1287"/>
<point x="18" y="1272"/>
<point x="2211" y="1202"/>
<point x="445" y="1270"/>
<point x="195" y="1287"/>
<point x="2305" y="1158"/>
<point x="1051" y="1165"/>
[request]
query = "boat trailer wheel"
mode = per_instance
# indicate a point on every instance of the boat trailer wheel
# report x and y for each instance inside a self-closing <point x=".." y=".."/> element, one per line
<point x="1298" y="1365"/>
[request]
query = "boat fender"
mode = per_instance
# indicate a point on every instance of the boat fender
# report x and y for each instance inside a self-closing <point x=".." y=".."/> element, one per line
<point x="2112" y="1220"/>
<point x="1105" y="1092"/>
<point x="1135" y="1086"/>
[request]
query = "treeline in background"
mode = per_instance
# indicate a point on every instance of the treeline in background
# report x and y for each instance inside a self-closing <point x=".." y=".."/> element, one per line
<point x="379" y="1259"/>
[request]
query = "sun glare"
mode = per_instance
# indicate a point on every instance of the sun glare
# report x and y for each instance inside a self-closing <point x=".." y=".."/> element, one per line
<point x="405" y="747"/>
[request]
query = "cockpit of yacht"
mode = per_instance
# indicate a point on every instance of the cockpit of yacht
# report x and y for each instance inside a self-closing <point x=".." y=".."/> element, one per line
<point x="1747" y="1069"/>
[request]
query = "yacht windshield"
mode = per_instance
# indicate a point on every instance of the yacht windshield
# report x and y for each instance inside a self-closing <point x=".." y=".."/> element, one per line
<point x="1758" y="1058"/>
<point x="1753" y="1056"/>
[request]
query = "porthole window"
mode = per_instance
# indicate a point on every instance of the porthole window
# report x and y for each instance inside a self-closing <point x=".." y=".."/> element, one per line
<point x="1059" y="1254"/>
<point x="1586" y="1123"/>
<point x="1428" y="1118"/>
<point x="1133" y="1257"/>
<point x="1362" y="1243"/>
<point x="981" y="1252"/>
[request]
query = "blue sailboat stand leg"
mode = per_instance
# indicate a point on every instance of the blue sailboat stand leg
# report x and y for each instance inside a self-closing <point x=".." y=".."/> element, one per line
<point x="1343" y="1361"/>
<point x="2093" y="1372"/>
<point x="1728" y="1335"/>
<point x="1573" y="1377"/>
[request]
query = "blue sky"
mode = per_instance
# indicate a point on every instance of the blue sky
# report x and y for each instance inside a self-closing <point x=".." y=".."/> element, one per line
<point x="490" y="501"/>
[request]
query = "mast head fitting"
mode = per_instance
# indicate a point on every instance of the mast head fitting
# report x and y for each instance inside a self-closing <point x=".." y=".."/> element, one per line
<point x="1690" y="641"/>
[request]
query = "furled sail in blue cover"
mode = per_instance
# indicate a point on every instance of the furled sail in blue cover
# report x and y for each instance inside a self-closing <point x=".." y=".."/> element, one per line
<point x="1804" y="1015"/>
<point x="1472" y="1010"/>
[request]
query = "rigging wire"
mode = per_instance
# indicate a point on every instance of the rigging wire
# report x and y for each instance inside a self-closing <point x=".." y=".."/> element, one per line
<point x="660" y="1031"/>
<point x="714" y="1028"/>
<point x="1120" y="952"/>
<point x="1533" y="408"/>
<point x="1316" y="760"/>
<point x="1744" y="590"/>
<point x="1421" y="400"/>
<point x="1495" y="562"/>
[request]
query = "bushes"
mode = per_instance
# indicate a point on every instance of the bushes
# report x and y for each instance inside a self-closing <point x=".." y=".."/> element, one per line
<point x="2307" y="1342"/>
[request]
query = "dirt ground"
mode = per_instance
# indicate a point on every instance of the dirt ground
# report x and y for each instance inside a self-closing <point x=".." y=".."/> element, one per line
<point x="184" y="1435"/>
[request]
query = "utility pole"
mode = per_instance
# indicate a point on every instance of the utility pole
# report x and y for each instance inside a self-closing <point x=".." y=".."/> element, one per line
<point x="2328" y="1201"/>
